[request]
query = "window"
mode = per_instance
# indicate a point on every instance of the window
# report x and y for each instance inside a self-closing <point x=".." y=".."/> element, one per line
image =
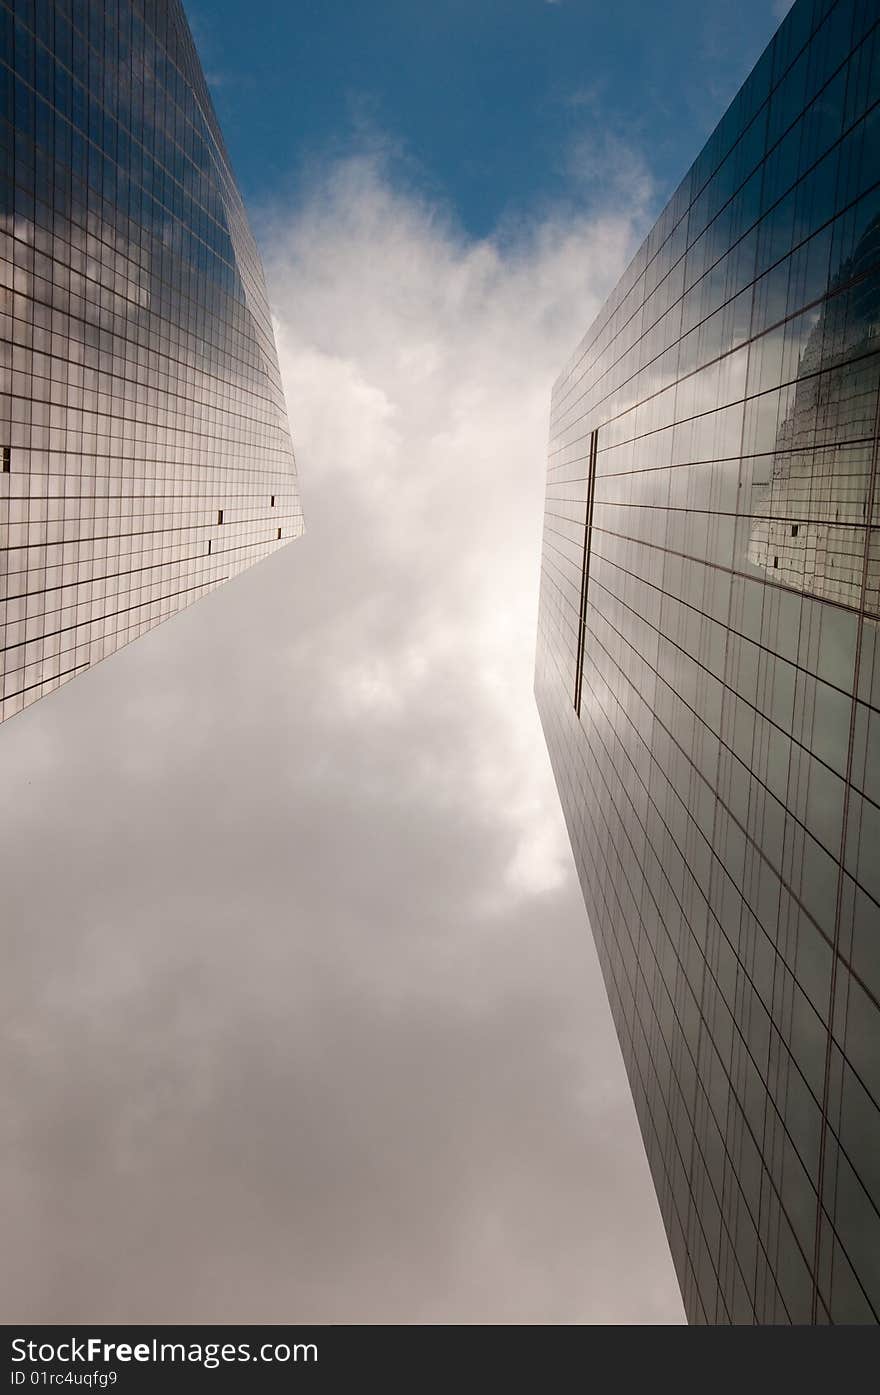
<point x="209" y="547"/>
<point x="219" y="515"/>
<point x="279" y="532"/>
<point x="585" y="571"/>
<point x="272" y="501"/>
<point x="794" y="530"/>
<point x="6" y="457"/>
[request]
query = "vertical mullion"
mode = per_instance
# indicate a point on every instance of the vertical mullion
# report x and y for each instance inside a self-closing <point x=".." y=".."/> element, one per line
<point x="585" y="572"/>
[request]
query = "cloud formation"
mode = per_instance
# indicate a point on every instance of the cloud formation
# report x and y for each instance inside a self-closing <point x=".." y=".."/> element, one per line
<point x="306" y="1022"/>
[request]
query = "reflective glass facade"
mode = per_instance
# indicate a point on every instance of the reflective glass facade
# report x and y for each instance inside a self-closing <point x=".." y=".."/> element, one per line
<point x="708" y="676"/>
<point x="145" y="448"/>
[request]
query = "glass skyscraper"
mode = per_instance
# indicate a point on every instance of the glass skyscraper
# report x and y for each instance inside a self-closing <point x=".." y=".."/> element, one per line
<point x="708" y="677"/>
<point x="145" y="453"/>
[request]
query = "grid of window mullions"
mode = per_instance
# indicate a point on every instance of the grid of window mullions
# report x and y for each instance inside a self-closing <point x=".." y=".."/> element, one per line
<point x="796" y="741"/>
<point x="742" y="967"/>
<point x="744" y="970"/>
<point x="616" y="917"/>
<point x="757" y="644"/>
<point x="647" y="331"/>
<point x="145" y="388"/>
<point x="199" y="344"/>
<point x="734" y="402"/>
<point x="200" y="341"/>
<point x="716" y="800"/>
<point x="730" y="813"/>
<point x="116" y="116"/>
<point x="756" y="848"/>
<point x="592" y="874"/>
<point x="595" y="876"/>
<point x="580" y="365"/>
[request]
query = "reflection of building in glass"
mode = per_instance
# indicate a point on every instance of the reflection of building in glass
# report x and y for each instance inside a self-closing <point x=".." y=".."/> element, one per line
<point x="145" y="449"/>
<point x="708" y="677"/>
<point x="810" y="527"/>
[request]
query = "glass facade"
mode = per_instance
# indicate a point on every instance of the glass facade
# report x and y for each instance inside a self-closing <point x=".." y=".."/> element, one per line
<point x="708" y="677"/>
<point x="146" y="454"/>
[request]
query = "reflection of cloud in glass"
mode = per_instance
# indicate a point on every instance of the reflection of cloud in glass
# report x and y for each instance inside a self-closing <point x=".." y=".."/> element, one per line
<point x="146" y="405"/>
<point x="810" y="501"/>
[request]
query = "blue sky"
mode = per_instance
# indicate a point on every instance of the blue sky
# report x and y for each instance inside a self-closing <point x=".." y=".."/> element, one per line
<point x="483" y="103"/>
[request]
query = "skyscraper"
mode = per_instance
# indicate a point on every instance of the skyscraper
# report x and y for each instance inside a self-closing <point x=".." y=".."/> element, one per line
<point x="146" y="454"/>
<point x="708" y="677"/>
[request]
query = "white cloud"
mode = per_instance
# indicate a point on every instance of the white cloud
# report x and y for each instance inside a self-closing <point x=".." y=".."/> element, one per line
<point x="418" y="364"/>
